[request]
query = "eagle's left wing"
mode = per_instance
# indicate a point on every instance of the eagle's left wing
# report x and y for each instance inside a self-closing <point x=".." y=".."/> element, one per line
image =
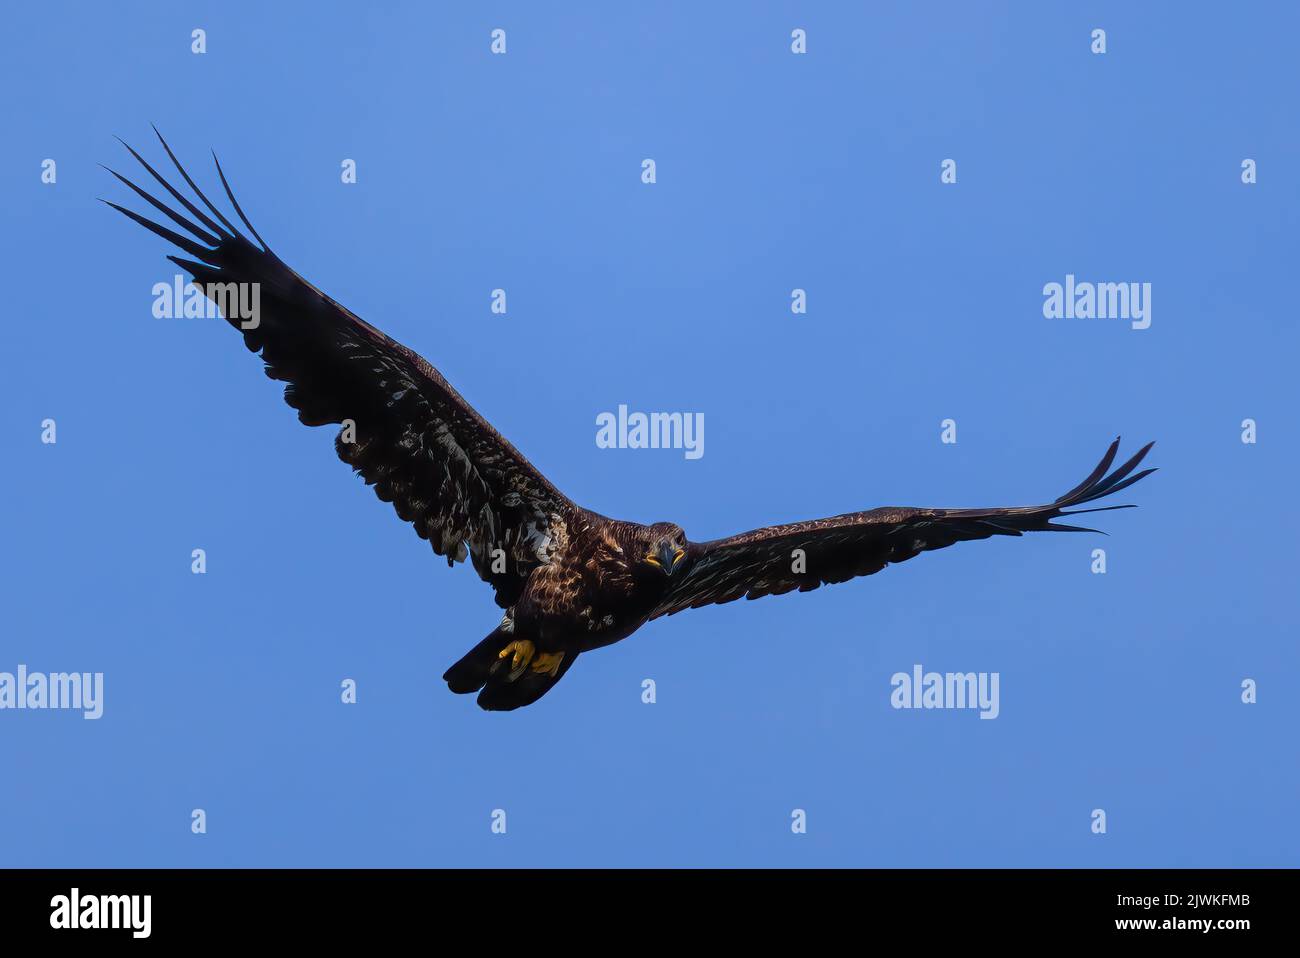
<point x="805" y="555"/>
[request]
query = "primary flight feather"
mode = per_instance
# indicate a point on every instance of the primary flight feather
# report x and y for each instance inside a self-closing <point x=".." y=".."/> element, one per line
<point x="569" y="580"/>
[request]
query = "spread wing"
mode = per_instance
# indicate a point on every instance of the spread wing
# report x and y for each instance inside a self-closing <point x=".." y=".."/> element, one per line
<point x="805" y="555"/>
<point x="406" y="431"/>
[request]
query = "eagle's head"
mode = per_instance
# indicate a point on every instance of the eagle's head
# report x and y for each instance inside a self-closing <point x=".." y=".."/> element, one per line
<point x="664" y="549"/>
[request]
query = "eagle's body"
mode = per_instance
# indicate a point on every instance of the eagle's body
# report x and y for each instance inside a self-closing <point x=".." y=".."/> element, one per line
<point x="593" y="592"/>
<point x="569" y="580"/>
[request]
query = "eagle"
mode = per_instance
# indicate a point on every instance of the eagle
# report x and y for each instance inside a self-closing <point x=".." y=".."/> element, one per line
<point x="568" y="579"/>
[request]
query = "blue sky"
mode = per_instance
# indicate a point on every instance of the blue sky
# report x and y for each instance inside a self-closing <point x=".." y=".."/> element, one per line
<point x="775" y="171"/>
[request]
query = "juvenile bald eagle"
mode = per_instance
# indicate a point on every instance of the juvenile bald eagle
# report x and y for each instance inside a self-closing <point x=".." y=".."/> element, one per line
<point x="568" y="579"/>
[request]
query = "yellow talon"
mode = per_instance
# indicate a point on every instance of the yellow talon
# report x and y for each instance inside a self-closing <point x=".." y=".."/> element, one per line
<point x="523" y="656"/>
<point x="548" y="663"/>
<point x="523" y="650"/>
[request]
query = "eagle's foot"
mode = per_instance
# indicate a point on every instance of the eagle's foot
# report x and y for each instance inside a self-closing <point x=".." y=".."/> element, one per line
<point x="548" y="663"/>
<point x="521" y="653"/>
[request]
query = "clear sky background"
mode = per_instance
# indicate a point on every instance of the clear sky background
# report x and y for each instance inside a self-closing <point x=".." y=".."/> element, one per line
<point x="775" y="171"/>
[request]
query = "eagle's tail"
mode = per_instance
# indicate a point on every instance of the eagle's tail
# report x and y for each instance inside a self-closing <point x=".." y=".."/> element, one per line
<point x="469" y="674"/>
<point x="481" y="669"/>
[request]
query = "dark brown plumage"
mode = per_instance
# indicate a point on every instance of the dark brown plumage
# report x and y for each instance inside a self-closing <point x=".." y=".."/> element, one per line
<point x="570" y="580"/>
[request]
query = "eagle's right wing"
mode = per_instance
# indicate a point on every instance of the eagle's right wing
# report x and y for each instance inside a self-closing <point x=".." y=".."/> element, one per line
<point x="805" y="555"/>
<point x="406" y="430"/>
